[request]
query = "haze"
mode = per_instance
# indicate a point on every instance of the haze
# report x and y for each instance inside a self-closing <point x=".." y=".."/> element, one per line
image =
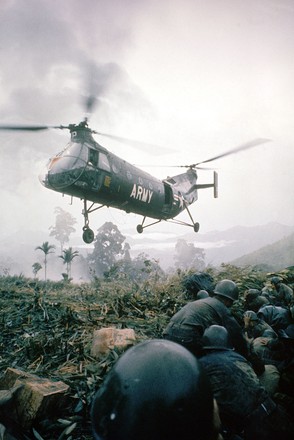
<point x="197" y="77"/>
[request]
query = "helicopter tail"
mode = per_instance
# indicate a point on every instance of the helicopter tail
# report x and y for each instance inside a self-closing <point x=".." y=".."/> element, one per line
<point x="213" y="185"/>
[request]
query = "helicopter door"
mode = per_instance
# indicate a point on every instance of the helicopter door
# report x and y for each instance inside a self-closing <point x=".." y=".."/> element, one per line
<point x="93" y="157"/>
<point x="168" y="198"/>
<point x="104" y="172"/>
<point x="100" y="163"/>
<point x="99" y="168"/>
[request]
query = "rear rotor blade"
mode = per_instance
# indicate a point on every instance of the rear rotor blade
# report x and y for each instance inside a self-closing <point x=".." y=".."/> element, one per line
<point x="174" y="166"/>
<point x="250" y="144"/>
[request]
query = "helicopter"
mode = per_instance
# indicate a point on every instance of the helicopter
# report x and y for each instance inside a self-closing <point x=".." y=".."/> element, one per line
<point x="87" y="170"/>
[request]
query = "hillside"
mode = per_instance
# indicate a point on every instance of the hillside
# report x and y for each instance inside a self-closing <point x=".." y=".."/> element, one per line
<point x="275" y="256"/>
<point x="219" y="246"/>
<point x="47" y="329"/>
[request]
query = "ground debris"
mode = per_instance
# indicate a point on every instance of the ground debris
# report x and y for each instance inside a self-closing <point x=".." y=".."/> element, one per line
<point x="33" y="397"/>
<point x="50" y="334"/>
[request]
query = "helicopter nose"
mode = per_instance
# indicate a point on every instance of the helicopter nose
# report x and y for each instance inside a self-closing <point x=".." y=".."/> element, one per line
<point x="60" y="174"/>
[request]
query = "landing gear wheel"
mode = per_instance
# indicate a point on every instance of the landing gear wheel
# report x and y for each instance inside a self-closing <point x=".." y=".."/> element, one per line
<point x="196" y="227"/>
<point x="140" y="229"/>
<point x="88" y="235"/>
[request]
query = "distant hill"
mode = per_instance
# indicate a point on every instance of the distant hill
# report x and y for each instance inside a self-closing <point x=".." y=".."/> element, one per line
<point x="219" y="246"/>
<point x="17" y="252"/>
<point x="241" y="240"/>
<point x="275" y="256"/>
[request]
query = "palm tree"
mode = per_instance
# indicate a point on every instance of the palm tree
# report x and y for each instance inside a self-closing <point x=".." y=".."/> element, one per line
<point x="67" y="257"/>
<point x="36" y="267"/>
<point x="47" y="249"/>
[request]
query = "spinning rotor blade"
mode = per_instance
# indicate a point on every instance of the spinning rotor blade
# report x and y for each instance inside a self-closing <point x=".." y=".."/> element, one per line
<point x="174" y="166"/>
<point x="253" y="143"/>
<point x="29" y="127"/>
<point x="243" y="147"/>
<point x="90" y="103"/>
<point x="151" y="148"/>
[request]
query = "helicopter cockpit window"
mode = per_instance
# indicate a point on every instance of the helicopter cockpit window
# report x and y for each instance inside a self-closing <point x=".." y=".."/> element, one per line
<point x="103" y="162"/>
<point x="73" y="156"/>
<point x="93" y="157"/>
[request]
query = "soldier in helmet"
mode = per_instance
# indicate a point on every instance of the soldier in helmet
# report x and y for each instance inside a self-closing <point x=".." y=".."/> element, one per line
<point x="253" y="325"/>
<point x="284" y="293"/>
<point x="202" y="294"/>
<point x="254" y="300"/>
<point x="245" y="407"/>
<point x="276" y="316"/>
<point x="287" y="366"/>
<point x="186" y="327"/>
<point x="155" y="391"/>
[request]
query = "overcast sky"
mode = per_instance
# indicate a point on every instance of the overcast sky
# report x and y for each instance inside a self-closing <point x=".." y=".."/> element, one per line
<point x="200" y="77"/>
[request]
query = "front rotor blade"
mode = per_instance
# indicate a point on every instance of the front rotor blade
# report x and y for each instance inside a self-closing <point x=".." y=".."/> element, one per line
<point x="253" y="143"/>
<point x="28" y="127"/>
<point x="90" y="103"/>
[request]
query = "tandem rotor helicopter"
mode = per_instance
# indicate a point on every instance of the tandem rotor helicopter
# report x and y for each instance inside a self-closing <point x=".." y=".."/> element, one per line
<point x="87" y="170"/>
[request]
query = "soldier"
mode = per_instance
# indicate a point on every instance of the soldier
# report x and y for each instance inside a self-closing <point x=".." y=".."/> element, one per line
<point x="245" y="407"/>
<point x="186" y="327"/>
<point x="287" y="365"/>
<point x="202" y="294"/>
<point x="268" y="347"/>
<point x="254" y="326"/>
<point x="155" y="391"/>
<point x="270" y="350"/>
<point x="254" y="299"/>
<point x="284" y="294"/>
<point x="276" y="316"/>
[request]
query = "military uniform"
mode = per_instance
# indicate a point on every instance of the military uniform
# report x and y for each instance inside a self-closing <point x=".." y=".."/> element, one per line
<point x="257" y="328"/>
<point x="269" y="349"/>
<point x="277" y="317"/>
<point x="284" y="295"/>
<point x="253" y="301"/>
<point x="188" y="324"/>
<point x="245" y="406"/>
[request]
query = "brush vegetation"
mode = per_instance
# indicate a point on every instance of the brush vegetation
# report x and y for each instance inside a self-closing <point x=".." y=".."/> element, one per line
<point x="47" y="327"/>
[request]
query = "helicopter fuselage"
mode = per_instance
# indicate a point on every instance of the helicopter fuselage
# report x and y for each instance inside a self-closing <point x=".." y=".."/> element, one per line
<point x="89" y="171"/>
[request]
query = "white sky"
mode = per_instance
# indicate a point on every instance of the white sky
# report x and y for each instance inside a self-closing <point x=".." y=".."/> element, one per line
<point x="200" y="77"/>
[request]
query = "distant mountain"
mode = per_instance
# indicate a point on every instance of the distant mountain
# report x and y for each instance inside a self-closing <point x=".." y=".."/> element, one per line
<point x="275" y="256"/>
<point x="219" y="246"/>
<point x="242" y="240"/>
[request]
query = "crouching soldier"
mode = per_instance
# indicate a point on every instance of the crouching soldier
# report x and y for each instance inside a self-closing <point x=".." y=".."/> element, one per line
<point x="254" y="326"/>
<point x="156" y="391"/>
<point x="186" y="327"/>
<point x="284" y="293"/>
<point x="245" y="407"/>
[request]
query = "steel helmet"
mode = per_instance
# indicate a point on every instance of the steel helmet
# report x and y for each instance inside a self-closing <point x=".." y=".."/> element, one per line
<point x="156" y="390"/>
<point x="216" y="337"/>
<point x="228" y="289"/>
<point x="202" y="294"/>
<point x="253" y="293"/>
<point x="276" y="280"/>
